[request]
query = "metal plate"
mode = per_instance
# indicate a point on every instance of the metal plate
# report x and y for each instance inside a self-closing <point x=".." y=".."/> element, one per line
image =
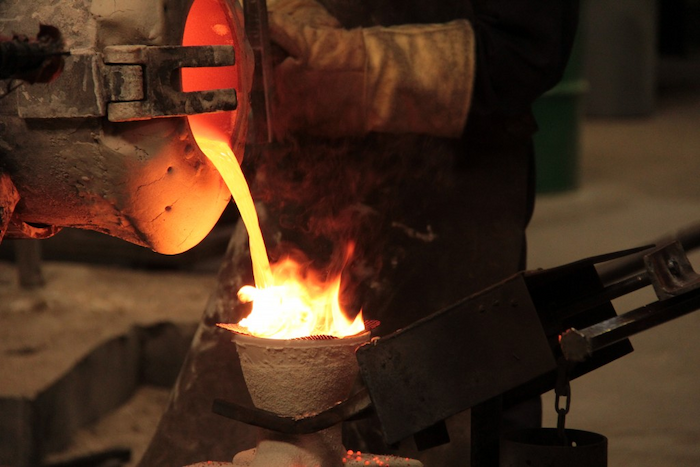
<point x="454" y="359"/>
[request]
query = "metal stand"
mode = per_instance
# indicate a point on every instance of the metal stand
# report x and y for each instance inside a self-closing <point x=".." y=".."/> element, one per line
<point x="485" y="432"/>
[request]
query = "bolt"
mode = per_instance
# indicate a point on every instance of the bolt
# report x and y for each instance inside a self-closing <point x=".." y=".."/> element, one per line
<point x="673" y="267"/>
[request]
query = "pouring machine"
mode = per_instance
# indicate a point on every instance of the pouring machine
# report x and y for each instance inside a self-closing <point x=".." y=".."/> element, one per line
<point x="106" y="141"/>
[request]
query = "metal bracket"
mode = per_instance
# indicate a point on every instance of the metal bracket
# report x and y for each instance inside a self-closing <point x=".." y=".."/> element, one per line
<point x="146" y="79"/>
<point x="351" y="408"/>
<point x="678" y="288"/>
<point x="482" y="346"/>
<point x="671" y="272"/>
<point x="129" y="82"/>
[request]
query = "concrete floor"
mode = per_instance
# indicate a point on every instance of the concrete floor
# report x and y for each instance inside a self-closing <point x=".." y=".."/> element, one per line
<point x="638" y="181"/>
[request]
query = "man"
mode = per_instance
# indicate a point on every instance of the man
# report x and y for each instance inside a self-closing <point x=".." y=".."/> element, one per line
<point x="405" y="128"/>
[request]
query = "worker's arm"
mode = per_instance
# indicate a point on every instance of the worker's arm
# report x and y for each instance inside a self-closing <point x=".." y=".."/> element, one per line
<point x="342" y="82"/>
<point x="522" y="50"/>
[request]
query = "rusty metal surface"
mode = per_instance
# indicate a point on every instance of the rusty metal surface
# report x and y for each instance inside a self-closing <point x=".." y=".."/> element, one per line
<point x="161" y="98"/>
<point x="125" y="83"/>
<point x="36" y="60"/>
<point x="145" y="182"/>
<point x="128" y="82"/>
<point x="10" y="226"/>
<point x="454" y="359"/>
<point x="77" y="92"/>
<point x="19" y="229"/>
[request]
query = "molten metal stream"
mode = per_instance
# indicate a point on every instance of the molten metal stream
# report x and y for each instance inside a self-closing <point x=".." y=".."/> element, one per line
<point x="221" y="155"/>
<point x="288" y="300"/>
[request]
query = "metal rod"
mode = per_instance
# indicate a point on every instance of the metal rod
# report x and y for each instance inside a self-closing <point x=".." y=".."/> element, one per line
<point x="609" y="293"/>
<point x="28" y="259"/>
<point x="346" y="410"/>
<point x="689" y="236"/>
<point x="486" y="432"/>
<point x="577" y="345"/>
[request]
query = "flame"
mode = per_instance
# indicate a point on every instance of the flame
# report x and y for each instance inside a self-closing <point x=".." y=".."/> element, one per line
<point x="289" y="300"/>
<point x="299" y="304"/>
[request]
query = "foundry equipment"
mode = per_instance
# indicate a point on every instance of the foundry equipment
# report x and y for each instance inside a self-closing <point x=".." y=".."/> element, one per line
<point x="524" y="336"/>
<point x="94" y="127"/>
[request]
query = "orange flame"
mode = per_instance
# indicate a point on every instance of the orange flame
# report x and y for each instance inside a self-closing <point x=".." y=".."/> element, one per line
<point x="297" y="305"/>
<point x="288" y="301"/>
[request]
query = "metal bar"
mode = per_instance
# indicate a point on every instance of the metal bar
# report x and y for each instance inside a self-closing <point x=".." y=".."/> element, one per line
<point x="350" y="408"/>
<point x="609" y="293"/>
<point x="161" y="99"/>
<point x="486" y="432"/>
<point x="578" y="345"/>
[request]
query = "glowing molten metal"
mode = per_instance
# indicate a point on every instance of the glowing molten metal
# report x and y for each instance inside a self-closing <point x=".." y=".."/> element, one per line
<point x="289" y="301"/>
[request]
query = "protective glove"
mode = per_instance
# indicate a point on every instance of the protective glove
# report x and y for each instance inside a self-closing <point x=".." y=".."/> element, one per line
<point x="339" y="82"/>
<point x="309" y="12"/>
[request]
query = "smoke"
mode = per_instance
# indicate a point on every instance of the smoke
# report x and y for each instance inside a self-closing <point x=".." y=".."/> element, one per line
<point x="331" y="204"/>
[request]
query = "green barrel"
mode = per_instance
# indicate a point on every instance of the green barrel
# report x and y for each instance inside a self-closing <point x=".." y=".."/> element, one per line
<point x="559" y="113"/>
